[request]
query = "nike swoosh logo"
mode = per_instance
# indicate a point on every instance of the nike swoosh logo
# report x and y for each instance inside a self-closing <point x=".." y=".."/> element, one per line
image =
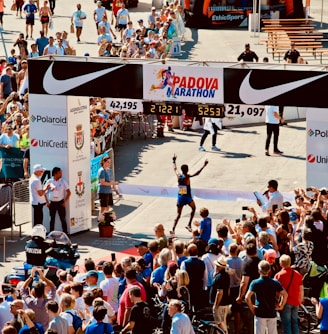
<point x="250" y="95"/>
<point x="54" y="86"/>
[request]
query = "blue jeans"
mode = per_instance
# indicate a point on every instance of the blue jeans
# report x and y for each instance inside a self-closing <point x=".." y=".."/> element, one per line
<point x="289" y="317"/>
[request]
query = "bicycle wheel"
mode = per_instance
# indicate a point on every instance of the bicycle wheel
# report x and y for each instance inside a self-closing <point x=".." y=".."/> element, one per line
<point x="307" y="319"/>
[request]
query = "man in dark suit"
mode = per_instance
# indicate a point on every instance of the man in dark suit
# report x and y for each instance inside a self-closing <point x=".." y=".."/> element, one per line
<point x="198" y="277"/>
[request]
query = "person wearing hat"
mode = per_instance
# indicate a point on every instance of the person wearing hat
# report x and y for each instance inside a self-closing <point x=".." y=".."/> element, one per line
<point x="144" y="252"/>
<point x="37" y="194"/>
<point x="267" y="291"/>
<point x="91" y="280"/>
<point x="98" y="14"/>
<point x="248" y="55"/>
<point x="213" y="252"/>
<point x="152" y="16"/>
<point x="219" y="293"/>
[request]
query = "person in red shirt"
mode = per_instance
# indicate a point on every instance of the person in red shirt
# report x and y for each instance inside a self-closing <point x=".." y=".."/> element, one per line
<point x="116" y="6"/>
<point x="292" y="281"/>
<point x="126" y="303"/>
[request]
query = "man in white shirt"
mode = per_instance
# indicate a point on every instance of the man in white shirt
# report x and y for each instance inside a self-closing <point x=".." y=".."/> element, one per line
<point x="110" y="286"/>
<point x="57" y="198"/>
<point x="37" y="194"/>
<point x="181" y="323"/>
<point x="274" y="197"/>
<point x="272" y="120"/>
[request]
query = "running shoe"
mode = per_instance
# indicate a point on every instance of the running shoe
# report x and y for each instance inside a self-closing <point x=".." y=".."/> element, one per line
<point x="215" y="148"/>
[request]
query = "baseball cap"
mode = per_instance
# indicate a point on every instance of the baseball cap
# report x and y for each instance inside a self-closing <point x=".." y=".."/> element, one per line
<point x="38" y="168"/>
<point x="91" y="273"/>
<point x="153" y="8"/>
<point x="99" y="2"/>
<point x="140" y="20"/>
<point x="292" y="217"/>
<point x="213" y="241"/>
<point x="101" y="263"/>
<point x="142" y="244"/>
<point x="247" y="45"/>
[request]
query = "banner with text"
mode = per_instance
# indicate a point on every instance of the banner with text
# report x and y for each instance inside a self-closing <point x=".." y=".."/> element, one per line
<point x="317" y="147"/>
<point x="78" y="155"/>
<point x="183" y="83"/>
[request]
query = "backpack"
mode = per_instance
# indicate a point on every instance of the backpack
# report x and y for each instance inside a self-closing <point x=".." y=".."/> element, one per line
<point x="77" y="322"/>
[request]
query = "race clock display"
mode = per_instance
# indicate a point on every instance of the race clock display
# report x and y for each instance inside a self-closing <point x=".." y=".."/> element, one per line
<point x="204" y="110"/>
<point x="162" y="108"/>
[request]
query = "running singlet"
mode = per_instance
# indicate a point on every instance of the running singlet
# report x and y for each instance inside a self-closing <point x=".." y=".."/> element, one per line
<point x="184" y="194"/>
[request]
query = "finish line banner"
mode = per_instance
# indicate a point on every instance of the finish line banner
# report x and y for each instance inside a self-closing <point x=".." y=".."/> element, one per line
<point x="209" y="194"/>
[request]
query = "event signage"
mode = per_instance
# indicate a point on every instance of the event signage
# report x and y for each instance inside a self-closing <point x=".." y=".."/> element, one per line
<point x="275" y="87"/>
<point x="78" y="155"/>
<point x="182" y="83"/>
<point x="60" y="137"/>
<point x="316" y="147"/>
<point x="128" y="105"/>
<point x="78" y="78"/>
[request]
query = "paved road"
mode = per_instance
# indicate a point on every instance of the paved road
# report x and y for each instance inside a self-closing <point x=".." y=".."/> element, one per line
<point x="241" y="165"/>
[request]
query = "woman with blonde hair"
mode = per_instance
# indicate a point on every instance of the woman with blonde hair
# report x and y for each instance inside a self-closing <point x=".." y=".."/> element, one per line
<point x="183" y="280"/>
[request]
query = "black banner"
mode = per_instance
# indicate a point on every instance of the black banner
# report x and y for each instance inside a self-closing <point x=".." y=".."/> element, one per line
<point x="77" y="78"/>
<point x="275" y="87"/>
<point x="12" y="163"/>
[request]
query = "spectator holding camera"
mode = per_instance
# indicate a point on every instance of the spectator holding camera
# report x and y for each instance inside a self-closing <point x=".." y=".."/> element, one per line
<point x="36" y="299"/>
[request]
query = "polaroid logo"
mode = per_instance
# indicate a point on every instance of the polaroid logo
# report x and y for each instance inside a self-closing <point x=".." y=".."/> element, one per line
<point x="317" y="159"/>
<point x="310" y="132"/>
<point x="48" y="119"/>
<point x="48" y="143"/>
<point x="317" y="133"/>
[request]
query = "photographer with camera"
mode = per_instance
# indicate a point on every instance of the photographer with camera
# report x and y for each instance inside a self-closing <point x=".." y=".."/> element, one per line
<point x="37" y="299"/>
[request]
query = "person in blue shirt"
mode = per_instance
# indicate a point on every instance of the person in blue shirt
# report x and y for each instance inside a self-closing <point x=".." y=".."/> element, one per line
<point x="30" y="9"/>
<point x="205" y="225"/>
<point x="99" y="327"/>
<point x="30" y="327"/>
<point x="41" y="42"/>
<point x="322" y="313"/>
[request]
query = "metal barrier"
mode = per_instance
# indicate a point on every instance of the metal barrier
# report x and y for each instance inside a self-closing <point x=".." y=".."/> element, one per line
<point x="22" y="209"/>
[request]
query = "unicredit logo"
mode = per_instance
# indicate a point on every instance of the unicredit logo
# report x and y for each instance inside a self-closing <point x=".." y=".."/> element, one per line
<point x="319" y="159"/>
<point x="49" y="143"/>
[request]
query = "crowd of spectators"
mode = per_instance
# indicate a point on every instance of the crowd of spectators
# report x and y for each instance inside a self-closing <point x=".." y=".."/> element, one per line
<point x="216" y="271"/>
<point x="115" y="34"/>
